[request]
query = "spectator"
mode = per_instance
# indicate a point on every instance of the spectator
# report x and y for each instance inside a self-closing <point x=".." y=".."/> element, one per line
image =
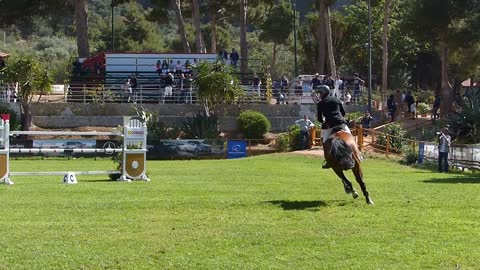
<point x="223" y="55"/>
<point x="436" y="107"/>
<point x="187" y="67"/>
<point x="444" y="141"/>
<point x="410" y="101"/>
<point x="164" y="66"/>
<point x="127" y="90"/>
<point x="328" y="81"/>
<point x="305" y="124"/>
<point x="413" y="109"/>
<point x="178" y="68"/>
<point x="348" y="98"/>
<point x="256" y="82"/>
<point x="134" y="84"/>
<point x="171" y="66"/>
<point x="315" y="82"/>
<point x="285" y="82"/>
<point x="338" y="87"/>
<point x="234" y="57"/>
<point x="391" y="107"/>
<point x="188" y="85"/>
<point x="168" y="88"/>
<point x="366" y="120"/>
<point x="158" y="67"/>
<point x="357" y="87"/>
<point x="2" y="62"/>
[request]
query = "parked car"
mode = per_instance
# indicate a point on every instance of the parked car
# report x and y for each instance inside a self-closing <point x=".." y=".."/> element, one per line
<point x="74" y="145"/>
<point x="195" y="147"/>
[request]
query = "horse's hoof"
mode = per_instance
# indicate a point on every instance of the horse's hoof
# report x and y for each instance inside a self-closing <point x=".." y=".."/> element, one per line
<point x="369" y="201"/>
<point x="354" y="194"/>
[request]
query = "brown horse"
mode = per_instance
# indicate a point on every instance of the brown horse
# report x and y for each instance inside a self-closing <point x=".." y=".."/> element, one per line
<point x="341" y="153"/>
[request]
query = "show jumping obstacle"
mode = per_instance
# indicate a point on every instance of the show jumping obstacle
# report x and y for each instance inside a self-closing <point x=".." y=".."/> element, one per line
<point x="134" y="149"/>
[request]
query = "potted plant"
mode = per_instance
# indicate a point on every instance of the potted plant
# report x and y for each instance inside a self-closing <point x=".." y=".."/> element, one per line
<point x="423" y="109"/>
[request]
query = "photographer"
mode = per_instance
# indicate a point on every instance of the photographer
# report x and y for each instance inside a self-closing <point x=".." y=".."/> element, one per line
<point x="444" y="141"/>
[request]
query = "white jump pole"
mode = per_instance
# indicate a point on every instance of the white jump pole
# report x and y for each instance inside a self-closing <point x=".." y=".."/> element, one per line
<point x="134" y="149"/>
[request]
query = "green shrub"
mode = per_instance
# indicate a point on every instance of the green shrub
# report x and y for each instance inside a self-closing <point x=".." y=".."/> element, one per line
<point x="253" y="125"/>
<point x="294" y="138"/>
<point x="14" y="120"/>
<point x="396" y="137"/>
<point x="411" y="156"/>
<point x="283" y="142"/>
<point x="201" y="126"/>
<point x="423" y="108"/>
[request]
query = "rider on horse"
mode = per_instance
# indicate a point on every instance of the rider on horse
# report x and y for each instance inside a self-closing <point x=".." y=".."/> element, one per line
<point x="330" y="108"/>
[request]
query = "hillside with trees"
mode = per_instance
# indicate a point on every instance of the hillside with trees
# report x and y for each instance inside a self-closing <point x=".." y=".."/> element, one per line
<point x="419" y="48"/>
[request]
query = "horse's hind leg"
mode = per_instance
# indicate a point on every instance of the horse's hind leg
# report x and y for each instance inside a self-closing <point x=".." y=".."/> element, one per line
<point x="357" y="171"/>
<point x="347" y="185"/>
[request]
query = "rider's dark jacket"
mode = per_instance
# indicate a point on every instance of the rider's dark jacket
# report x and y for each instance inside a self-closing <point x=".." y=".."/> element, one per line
<point x="332" y="109"/>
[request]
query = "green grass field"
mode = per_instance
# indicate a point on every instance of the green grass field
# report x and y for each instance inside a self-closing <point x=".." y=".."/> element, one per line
<point x="277" y="211"/>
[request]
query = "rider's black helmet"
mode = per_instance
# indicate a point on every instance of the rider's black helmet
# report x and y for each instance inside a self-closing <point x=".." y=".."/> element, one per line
<point x="323" y="89"/>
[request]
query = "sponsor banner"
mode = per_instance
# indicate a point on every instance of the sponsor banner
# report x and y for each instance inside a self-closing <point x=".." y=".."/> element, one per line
<point x="236" y="149"/>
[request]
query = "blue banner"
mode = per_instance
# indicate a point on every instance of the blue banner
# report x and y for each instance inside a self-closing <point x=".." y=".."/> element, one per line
<point x="236" y="149"/>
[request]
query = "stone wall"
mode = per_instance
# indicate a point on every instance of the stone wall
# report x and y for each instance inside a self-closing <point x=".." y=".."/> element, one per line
<point x="70" y="115"/>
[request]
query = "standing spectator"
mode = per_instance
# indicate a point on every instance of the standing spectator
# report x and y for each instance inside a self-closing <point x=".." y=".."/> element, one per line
<point x="256" y="82"/>
<point x="223" y="55"/>
<point x="127" y="90"/>
<point x="410" y="100"/>
<point x="171" y="66"/>
<point x="436" y="107"/>
<point x="188" y="85"/>
<point x="134" y="84"/>
<point x="315" y="82"/>
<point x="305" y="124"/>
<point x="357" y="87"/>
<point x="338" y="86"/>
<point x="181" y="92"/>
<point x="444" y="141"/>
<point x="391" y="106"/>
<point x="234" y="57"/>
<point x="348" y="98"/>
<point x="328" y="81"/>
<point x="413" y="109"/>
<point x="168" y="88"/>
<point x="366" y="120"/>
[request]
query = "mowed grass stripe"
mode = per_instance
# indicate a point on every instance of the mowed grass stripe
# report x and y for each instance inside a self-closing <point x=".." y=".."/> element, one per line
<point x="267" y="212"/>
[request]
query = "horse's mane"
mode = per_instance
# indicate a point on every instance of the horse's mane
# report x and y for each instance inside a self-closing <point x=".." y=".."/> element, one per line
<point x="343" y="153"/>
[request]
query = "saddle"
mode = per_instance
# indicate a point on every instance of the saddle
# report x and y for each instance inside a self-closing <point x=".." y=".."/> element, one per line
<point x="338" y="128"/>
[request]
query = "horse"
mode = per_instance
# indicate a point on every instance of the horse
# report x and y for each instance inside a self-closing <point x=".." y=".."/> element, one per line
<point x="341" y="154"/>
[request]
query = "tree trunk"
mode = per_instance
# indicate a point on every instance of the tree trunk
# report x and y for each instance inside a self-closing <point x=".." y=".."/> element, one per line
<point x="386" y="19"/>
<point x="243" y="37"/>
<point x="198" y="29"/>
<point x="176" y="4"/>
<point x="446" y="97"/>
<point x="213" y="35"/>
<point x="322" y="36"/>
<point x="274" y="56"/>
<point x="26" y="116"/>
<point x="331" y="56"/>
<point x="80" y="9"/>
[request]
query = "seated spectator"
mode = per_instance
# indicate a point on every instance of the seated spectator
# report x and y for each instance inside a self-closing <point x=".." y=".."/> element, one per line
<point x="366" y="121"/>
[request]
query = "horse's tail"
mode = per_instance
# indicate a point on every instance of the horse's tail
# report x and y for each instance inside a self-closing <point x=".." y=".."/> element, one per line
<point x="343" y="153"/>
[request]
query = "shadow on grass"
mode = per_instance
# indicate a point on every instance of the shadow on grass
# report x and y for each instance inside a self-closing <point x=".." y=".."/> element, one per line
<point x="455" y="180"/>
<point x="299" y="205"/>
